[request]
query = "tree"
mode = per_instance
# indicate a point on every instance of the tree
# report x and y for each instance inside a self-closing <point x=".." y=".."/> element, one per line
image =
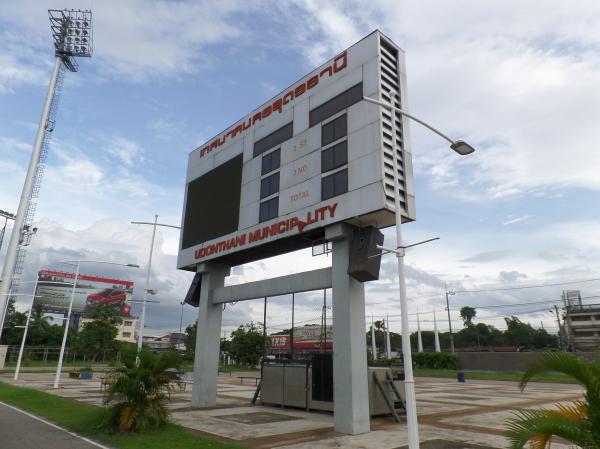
<point x="13" y="334"/>
<point x="467" y="314"/>
<point x="518" y="333"/>
<point x="99" y="334"/>
<point x="137" y="393"/>
<point x="247" y="343"/>
<point x="190" y="343"/>
<point x="578" y="423"/>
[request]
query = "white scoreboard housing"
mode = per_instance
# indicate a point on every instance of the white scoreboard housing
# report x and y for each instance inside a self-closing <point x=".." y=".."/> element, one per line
<point x="314" y="155"/>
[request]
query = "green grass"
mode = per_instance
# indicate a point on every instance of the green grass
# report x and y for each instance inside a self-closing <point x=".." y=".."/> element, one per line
<point x="84" y="419"/>
<point x="493" y="375"/>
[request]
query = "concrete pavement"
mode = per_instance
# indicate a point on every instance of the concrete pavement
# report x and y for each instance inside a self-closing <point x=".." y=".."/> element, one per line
<point x="21" y="430"/>
<point x="470" y="415"/>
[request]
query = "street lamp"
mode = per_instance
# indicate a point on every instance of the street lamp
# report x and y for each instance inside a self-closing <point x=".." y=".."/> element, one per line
<point x="147" y="289"/>
<point x="182" y="303"/>
<point x="68" y="319"/>
<point x="461" y="148"/>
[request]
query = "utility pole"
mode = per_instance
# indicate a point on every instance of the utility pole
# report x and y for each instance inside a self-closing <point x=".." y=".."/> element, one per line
<point x="559" y="335"/>
<point x="373" y="342"/>
<point x="292" y="329"/>
<point x="265" y="331"/>
<point x="449" y="320"/>
<point x="388" y="346"/>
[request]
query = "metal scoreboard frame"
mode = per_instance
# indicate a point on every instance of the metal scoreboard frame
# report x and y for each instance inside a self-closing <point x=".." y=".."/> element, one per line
<point x="313" y="155"/>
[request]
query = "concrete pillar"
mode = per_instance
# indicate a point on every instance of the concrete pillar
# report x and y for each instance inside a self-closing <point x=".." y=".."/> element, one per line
<point x="350" y="383"/>
<point x="208" y="337"/>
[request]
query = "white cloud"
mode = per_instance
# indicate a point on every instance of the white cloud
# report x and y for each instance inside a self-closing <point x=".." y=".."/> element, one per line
<point x="514" y="220"/>
<point x="124" y="149"/>
<point x="8" y="144"/>
<point x="513" y="78"/>
<point x="134" y="39"/>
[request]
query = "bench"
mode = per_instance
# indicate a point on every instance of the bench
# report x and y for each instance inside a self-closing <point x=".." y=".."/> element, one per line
<point x="256" y="379"/>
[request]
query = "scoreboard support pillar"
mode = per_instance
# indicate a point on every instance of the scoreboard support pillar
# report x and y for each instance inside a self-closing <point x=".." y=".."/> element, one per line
<point x="350" y="374"/>
<point x="208" y="336"/>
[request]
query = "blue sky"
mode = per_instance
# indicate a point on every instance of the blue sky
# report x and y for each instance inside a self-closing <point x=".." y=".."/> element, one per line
<point x="516" y="79"/>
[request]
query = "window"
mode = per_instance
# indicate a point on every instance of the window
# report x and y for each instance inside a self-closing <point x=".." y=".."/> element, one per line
<point x="334" y="130"/>
<point x="271" y="161"/>
<point x="275" y="138"/>
<point x="126" y="334"/>
<point x="269" y="209"/>
<point x="269" y="185"/>
<point x="336" y="104"/>
<point x="127" y="323"/>
<point x="334" y="184"/>
<point x="334" y="157"/>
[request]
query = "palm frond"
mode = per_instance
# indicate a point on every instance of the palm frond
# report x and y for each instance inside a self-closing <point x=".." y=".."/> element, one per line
<point x="536" y="425"/>
<point x="561" y="362"/>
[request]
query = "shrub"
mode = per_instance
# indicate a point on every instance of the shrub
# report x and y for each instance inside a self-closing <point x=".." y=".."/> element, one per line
<point x="435" y="360"/>
<point x="137" y="393"/>
<point x="427" y="360"/>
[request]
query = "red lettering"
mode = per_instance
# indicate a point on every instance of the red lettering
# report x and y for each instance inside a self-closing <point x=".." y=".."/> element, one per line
<point x="328" y="70"/>
<point x="255" y="236"/>
<point x="238" y="129"/>
<point x="267" y="111"/>
<point x="278" y="105"/>
<point x="299" y="90"/>
<point x="332" y="209"/>
<point x="312" y="81"/>
<point x="340" y="62"/>
<point x="337" y="65"/>
<point x="291" y="95"/>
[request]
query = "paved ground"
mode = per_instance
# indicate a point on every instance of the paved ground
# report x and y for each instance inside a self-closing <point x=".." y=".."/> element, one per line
<point x="451" y="415"/>
<point x="21" y="431"/>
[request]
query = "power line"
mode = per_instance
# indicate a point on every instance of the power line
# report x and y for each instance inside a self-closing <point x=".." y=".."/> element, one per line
<point x="526" y="286"/>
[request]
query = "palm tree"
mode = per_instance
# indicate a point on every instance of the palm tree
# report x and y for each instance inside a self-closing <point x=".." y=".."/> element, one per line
<point x="137" y="393"/>
<point x="578" y="423"/>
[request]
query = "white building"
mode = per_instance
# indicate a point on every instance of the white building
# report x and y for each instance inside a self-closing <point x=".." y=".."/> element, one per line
<point x="127" y="329"/>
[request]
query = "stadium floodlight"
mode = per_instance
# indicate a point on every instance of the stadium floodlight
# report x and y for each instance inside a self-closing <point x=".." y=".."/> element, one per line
<point x="65" y="25"/>
<point x="72" y="34"/>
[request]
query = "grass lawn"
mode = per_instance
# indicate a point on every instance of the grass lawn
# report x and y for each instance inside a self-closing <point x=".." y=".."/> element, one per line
<point x="493" y="375"/>
<point x="84" y="419"/>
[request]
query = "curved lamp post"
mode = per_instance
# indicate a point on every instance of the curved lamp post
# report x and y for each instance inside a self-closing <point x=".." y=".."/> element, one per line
<point x="148" y="289"/>
<point x="462" y="148"/>
<point x="68" y="319"/>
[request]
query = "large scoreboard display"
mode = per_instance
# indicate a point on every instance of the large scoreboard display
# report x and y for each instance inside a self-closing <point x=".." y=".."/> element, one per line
<point x="314" y="155"/>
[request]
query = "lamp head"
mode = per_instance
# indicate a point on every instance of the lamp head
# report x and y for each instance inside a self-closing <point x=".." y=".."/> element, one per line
<point x="462" y="147"/>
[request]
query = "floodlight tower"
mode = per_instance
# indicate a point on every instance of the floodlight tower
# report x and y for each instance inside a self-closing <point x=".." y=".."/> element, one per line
<point x="72" y="35"/>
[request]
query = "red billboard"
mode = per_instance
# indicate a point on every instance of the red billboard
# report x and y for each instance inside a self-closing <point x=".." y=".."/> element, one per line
<point x="54" y="290"/>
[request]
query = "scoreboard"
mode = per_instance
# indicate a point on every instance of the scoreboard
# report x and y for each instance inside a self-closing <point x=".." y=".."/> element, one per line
<point x="314" y="155"/>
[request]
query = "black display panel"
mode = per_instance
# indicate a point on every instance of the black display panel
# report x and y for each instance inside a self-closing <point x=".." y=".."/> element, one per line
<point x="213" y="204"/>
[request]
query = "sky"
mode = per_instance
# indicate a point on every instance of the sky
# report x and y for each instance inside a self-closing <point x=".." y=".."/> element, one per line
<point x="518" y="80"/>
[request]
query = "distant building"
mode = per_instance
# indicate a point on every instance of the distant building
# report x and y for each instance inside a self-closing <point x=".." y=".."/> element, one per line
<point x="582" y="322"/>
<point x="126" y="329"/>
<point x="307" y="339"/>
<point x="165" y="342"/>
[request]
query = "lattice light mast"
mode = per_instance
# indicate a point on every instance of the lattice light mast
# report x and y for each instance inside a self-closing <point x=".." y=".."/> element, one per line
<point x="72" y="35"/>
